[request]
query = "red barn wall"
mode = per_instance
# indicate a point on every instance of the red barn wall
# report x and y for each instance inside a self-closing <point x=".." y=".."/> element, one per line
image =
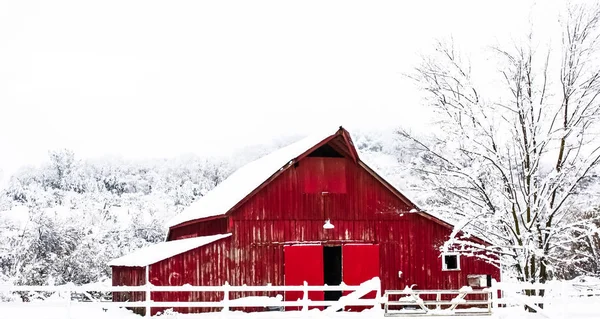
<point x="288" y="210"/>
<point x="292" y="208"/>
<point x="205" y="228"/>
<point x="206" y="265"/>
<point x="129" y="276"/>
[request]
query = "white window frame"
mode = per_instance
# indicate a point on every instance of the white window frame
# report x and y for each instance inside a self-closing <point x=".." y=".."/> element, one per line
<point x="444" y="267"/>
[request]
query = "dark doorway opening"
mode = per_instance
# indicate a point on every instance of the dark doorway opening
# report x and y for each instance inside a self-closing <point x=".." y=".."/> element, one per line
<point x="332" y="270"/>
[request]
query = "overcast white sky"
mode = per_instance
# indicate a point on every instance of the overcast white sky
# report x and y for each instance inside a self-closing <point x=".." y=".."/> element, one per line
<point x="160" y="78"/>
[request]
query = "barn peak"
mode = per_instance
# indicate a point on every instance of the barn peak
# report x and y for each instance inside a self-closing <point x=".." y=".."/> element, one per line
<point x="244" y="181"/>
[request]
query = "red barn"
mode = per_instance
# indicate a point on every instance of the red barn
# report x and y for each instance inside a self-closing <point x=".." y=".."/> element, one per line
<point x="311" y="211"/>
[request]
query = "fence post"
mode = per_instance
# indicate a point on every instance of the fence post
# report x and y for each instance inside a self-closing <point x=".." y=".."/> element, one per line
<point x="495" y="293"/>
<point x="305" y="297"/>
<point x="226" y="297"/>
<point x="377" y="304"/>
<point x="147" y="299"/>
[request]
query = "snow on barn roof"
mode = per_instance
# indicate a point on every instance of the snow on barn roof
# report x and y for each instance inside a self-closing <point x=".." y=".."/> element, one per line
<point x="245" y="180"/>
<point x="161" y="251"/>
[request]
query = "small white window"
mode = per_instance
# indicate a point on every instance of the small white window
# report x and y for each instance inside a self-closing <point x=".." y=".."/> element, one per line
<point x="450" y="261"/>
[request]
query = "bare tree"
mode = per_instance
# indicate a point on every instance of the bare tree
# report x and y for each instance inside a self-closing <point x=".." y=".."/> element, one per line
<point x="584" y="252"/>
<point x="514" y="161"/>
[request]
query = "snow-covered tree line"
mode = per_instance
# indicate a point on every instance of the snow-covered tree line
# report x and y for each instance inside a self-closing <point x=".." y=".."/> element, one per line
<point x="64" y="220"/>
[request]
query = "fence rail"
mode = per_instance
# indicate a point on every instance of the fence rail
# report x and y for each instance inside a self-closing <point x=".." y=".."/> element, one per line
<point x="536" y="296"/>
<point x="395" y="302"/>
<point x="39" y="296"/>
<point x="466" y="301"/>
<point x="410" y="302"/>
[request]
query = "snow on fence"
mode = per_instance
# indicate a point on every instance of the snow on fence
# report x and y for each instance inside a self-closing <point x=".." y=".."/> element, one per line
<point x="541" y="297"/>
<point x="409" y="302"/>
<point x="467" y="301"/>
<point x="63" y="296"/>
<point x="556" y="297"/>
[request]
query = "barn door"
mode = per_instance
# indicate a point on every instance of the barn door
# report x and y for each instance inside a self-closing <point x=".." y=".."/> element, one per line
<point x="360" y="262"/>
<point x="303" y="263"/>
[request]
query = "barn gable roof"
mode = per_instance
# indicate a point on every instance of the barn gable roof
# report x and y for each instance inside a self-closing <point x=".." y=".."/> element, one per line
<point x="161" y="251"/>
<point x="244" y="182"/>
<point x="248" y="178"/>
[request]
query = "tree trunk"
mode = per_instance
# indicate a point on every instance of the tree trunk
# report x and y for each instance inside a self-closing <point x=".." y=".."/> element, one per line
<point x="534" y="277"/>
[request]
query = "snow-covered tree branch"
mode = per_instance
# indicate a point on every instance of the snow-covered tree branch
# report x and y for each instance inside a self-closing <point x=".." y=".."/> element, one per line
<point x="516" y="159"/>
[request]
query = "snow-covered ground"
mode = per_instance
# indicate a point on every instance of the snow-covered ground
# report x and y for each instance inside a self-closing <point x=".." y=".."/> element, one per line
<point x="576" y="299"/>
<point x="576" y="311"/>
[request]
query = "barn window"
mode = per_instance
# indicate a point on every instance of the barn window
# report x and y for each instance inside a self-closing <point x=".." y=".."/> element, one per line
<point x="450" y="261"/>
<point x="323" y="175"/>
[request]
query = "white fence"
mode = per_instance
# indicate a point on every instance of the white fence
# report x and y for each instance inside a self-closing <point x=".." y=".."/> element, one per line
<point x="556" y="295"/>
<point x="409" y="302"/>
<point x="62" y="296"/>
<point x="466" y="301"/>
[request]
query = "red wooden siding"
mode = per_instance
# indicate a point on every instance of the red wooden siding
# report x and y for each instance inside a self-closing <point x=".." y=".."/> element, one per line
<point x="323" y="174"/>
<point x="367" y="213"/>
<point x="197" y="267"/>
<point x="129" y="276"/>
<point x="205" y="228"/>
<point x="284" y="198"/>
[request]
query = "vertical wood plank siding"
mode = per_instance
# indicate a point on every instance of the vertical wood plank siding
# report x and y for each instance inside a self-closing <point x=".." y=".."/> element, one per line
<point x="287" y="210"/>
<point x="205" y="228"/>
<point x="129" y="276"/>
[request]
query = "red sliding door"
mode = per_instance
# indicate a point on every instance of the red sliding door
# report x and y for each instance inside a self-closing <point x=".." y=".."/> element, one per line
<point x="303" y="263"/>
<point x="360" y="262"/>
